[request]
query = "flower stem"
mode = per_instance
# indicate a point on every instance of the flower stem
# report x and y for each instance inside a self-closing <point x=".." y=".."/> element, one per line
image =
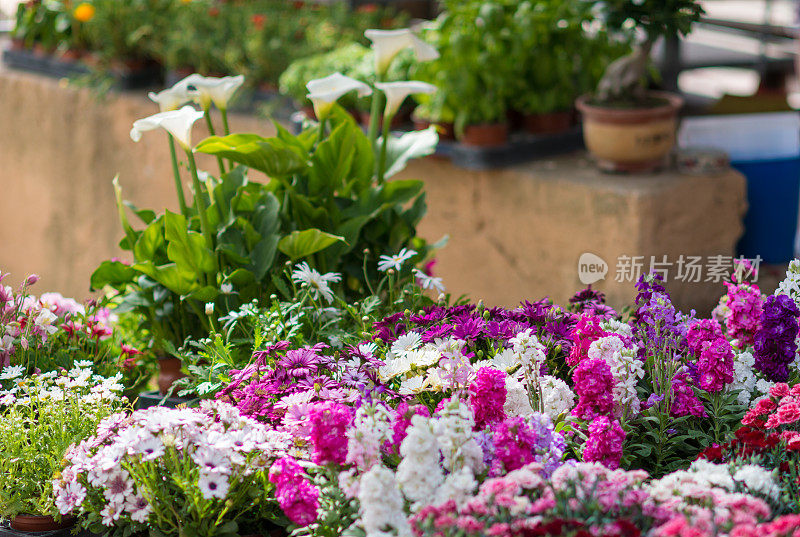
<point x="212" y="132"/>
<point x="177" y="176"/>
<point x="387" y="121"/>
<point x="321" y="134"/>
<point x="201" y="206"/>
<point x="375" y="113"/>
<point x="225" y="126"/>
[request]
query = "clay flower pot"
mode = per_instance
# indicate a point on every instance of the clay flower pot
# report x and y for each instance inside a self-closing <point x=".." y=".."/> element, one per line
<point x="36" y="523"/>
<point x="169" y="370"/>
<point x="446" y="130"/>
<point x="552" y="123"/>
<point x="485" y="135"/>
<point x="631" y="140"/>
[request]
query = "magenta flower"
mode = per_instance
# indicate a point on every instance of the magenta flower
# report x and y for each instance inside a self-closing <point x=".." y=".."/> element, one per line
<point x="487" y="395"/>
<point x="298" y="498"/>
<point x="329" y="422"/>
<point x="594" y="385"/>
<point x="604" y="444"/>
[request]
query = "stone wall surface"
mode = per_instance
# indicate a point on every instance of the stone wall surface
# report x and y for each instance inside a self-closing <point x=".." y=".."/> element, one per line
<point x="515" y="233"/>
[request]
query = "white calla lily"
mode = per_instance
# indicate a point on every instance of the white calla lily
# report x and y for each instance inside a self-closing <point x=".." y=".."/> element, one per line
<point x="176" y="122"/>
<point x="396" y="93"/>
<point x="388" y="43"/>
<point x="171" y="98"/>
<point x="324" y="92"/>
<point x="209" y="89"/>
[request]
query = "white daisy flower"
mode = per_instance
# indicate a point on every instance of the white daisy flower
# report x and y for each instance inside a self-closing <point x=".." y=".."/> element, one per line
<point x="406" y="343"/>
<point x="411" y="386"/>
<point x="12" y="372"/>
<point x="316" y="282"/>
<point x="428" y="282"/>
<point x="213" y="485"/>
<point x="386" y="262"/>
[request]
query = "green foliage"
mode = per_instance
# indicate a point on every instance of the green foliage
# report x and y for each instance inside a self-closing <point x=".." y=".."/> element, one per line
<point x="657" y="18"/>
<point x="501" y="55"/>
<point x="48" y="24"/>
<point x="331" y="187"/>
<point x="36" y="433"/>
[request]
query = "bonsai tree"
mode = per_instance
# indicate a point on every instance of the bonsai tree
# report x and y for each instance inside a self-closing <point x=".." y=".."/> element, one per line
<point x="625" y="79"/>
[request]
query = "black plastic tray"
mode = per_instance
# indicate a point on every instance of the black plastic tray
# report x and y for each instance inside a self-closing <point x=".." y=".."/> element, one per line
<point x="6" y="531"/>
<point x="149" y="399"/>
<point x="521" y="147"/>
<point x="51" y="66"/>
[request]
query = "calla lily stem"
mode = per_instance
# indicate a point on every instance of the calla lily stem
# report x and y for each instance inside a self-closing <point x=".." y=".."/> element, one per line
<point x="375" y="114"/>
<point x="224" y="113"/>
<point x="213" y="132"/>
<point x="321" y="134"/>
<point x="387" y="123"/>
<point x="177" y="175"/>
<point x="200" y="206"/>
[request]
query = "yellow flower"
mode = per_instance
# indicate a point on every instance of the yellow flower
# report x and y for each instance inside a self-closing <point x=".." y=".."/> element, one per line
<point x="84" y="12"/>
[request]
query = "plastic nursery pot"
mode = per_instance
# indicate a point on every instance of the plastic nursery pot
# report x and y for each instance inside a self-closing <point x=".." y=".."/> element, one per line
<point x="169" y="371"/>
<point x="552" y="123"/>
<point x="36" y="523"/>
<point x="630" y="140"/>
<point x="485" y="135"/>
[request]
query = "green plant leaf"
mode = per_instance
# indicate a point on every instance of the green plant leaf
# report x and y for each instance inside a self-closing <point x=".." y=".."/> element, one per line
<point x="113" y="273"/>
<point x="299" y="244"/>
<point x="150" y="241"/>
<point x="185" y="248"/>
<point x="170" y="276"/>
<point x="273" y="156"/>
<point x="409" y="146"/>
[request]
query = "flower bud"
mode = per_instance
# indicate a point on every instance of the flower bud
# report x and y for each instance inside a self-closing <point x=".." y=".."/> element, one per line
<point x="32" y="279"/>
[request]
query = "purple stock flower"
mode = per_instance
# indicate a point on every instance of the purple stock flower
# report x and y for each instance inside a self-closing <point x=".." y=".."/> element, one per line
<point x="775" y="345"/>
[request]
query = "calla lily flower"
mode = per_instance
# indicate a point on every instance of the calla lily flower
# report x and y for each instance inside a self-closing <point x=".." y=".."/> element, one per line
<point x="396" y="93"/>
<point x="388" y="43"/>
<point x="210" y="89"/>
<point x="323" y="92"/>
<point x="176" y="122"/>
<point x="171" y="98"/>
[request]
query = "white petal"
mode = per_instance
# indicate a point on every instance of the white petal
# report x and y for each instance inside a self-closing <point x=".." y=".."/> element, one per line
<point x="388" y="43"/>
<point x="176" y="122"/>
<point x="323" y="92"/>
<point x="396" y="92"/>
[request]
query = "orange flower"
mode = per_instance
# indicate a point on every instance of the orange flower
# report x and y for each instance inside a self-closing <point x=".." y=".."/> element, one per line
<point x="259" y="20"/>
<point x="84" y="12"/>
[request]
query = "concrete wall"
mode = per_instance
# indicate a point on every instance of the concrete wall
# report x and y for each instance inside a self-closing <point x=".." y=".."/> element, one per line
<point x="514" y="234"/>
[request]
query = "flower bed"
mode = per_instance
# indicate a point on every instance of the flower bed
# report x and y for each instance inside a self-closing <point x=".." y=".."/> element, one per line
<point x="344" y="392"/>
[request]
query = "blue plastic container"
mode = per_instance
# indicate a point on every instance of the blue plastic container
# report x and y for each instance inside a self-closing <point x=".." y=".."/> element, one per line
<point x="773" y="195"/>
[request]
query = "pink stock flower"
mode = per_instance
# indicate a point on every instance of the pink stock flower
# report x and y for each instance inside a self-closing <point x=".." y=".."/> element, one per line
<point x="487" y="395"/>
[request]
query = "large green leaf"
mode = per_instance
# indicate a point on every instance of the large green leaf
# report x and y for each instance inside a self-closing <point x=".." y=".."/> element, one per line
<point x="113" y="273"/>
<point x="299" y="244"/>
<point x="150" y="242"/>
<point x="263" y="255"/>
<point x="409" y="146"/>
<point x="273" y="156"/>
<point x="332" y="161"/>
<point x="185" y="248"/>
<point x="170" y="276"/>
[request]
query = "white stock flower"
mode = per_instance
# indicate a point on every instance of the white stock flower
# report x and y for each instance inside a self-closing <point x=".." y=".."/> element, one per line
<point x="419" y="473"/>
<point x="386" y="44"/>
<point x="396" y="93"/>
<point x="324" y="92"/>
<point x="557" y="397"/>
<point x="517" y="403"/>
<point x="381" y="504"/>
<point x="176" y="122"/>
<point x="205" y="90"/>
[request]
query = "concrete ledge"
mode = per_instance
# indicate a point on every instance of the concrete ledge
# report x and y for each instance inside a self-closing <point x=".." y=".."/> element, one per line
<point x="515" y="233"/>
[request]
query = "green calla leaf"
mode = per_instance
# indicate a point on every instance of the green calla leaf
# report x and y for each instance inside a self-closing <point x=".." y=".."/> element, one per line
<point x="273" y="156"/>
<point x="299" y="244"/>
<point x="113" y="273"/>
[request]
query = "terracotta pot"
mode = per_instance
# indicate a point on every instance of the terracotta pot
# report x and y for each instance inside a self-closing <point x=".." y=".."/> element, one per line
<point x="552" y="123"/>
<point x="485" y="135"/>
<point x="446" y="130"/>
<point x="631" y="139"/>
<point x="169" y="370"/>
<point x="17" y="44"/>
<point x="35" y="523"/>
<point x="71" y="55"/>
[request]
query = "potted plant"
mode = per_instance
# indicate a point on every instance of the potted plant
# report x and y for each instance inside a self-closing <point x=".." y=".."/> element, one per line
<point x="190" y="472"/>
<point x="41" y="417"/>
<point x="626" y="127"/>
